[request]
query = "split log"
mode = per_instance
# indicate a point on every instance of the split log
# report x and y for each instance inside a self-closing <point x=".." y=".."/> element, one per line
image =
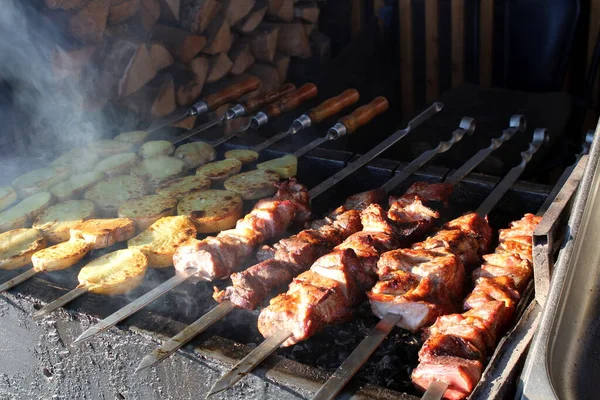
<point x="200" y="67"/>
<point x="282" y="10"/>
<point x="282" y="63"/>
<point x="63" y="4"/>
<point x="321" y="47"/>
<point x="218" y="36"/>
<point x="149" y="13"/>
<point x="293" y="40"/>
<point x="87" y="25"/>
<point x="307" y="12"/>
<point x="138" y="71"/>
<point x="157" y="98"/>
<point x="197" y="14"/>
<point x="182" y="45"/>
<point x="121" y="11"/>
<point x="241" y="56"/>
<point x="169" y="10"/>
<point x="235" y="10"/>
<point x="139" y="27"/>
<point x="269" y="76"/>
<point x="310" y="28"/>
<point x="188" y="93"/>
<point x="160" y="56"/>
<point x="264" y="43"/>
<point x="188" y="85"/>
<point x="70" y="62"/>
<point x="274" y="6"/>
<point x="220" y="65"/>
<point x="253" y="19"/>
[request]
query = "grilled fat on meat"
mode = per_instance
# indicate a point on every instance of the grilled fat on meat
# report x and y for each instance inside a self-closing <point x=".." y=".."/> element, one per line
<point x="218" y="257"/>
<point x="328" y="292"/>
<point x="427" y="280"/>
<point x="457" y="345"/>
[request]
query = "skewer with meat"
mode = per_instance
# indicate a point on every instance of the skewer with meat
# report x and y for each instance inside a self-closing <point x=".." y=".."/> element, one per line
<point x="457" y="345"/>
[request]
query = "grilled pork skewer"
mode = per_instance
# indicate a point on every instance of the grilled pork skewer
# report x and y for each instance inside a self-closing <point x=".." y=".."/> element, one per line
<point x="185" y="274"/>
<point x="457" y="345"/>
<point x="291" y="256"/>
<point x="296" y="315"/>
<point x="397" y="310"/>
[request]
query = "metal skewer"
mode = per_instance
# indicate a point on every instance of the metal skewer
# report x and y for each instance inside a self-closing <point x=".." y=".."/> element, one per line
<point x="364" y="350"/>
<point x="209" y="103"/>
<point x="163" y="288"/>
<point x="18" y="279"/>
<point x="61" y="301"/>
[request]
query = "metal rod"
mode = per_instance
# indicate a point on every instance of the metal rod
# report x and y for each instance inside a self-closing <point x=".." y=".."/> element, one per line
<point x="272" y="140"/>
<point x="61" y="301"/>
<point x="200" y="129"/>
<point x="312" y="145"/>
<point x="18" y="279"/>
<point x="435" y="391"/>
<point x="377" y="150"/>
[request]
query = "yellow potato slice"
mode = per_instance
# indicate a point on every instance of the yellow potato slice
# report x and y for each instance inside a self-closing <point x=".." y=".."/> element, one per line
<point x="159" y="169"/>
<point x="61" y="256"/>
<point x="109" y="194"/>
<point x="286" y="166"/>
<point x="118" y="164"/>
<point x="179" y="188"/>
<point x="195" y="154"/>
<point x="162" y="238"/>
<point x="78" y="160"/>
<point x="218" y="171"/>
<point x="55" y="223"/>
<point x="134" y="137"/>
<point x="148" y="209"/>
<point x="253" y="185"/>
<point x="107" y="147"/>
<point x="212" y="210"/>
<point x="39" y="180"/>
<point x="156" y="148"/>
<point x="244" y="155"/>
<point x="103" y="233"/>
<point x="76" y="185"/>
<point x="114" y="273"/>
<point x="17" y="247"/>
<point x="22" y="213"/>
<point x="8" y="197"/>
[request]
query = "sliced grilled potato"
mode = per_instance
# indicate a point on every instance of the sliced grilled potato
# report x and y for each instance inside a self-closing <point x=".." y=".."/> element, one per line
<point x="179" y="188"/>
<point x="103" y="233"/>
<point x="218" y="171"/>
<point x="21" y="214"/>
<point x="244" y="155"/>
<point x="76" y="185"/>
<point x="56" y="222"/>
<point x="286" y="166"/>
<point x="118" y="164"/>
<point x="134" y="137"/>
<point x="156" y="148"/>
<point x="159" y="169"/>
<point x="162" y="238"/>
<point x="212" y="210"/>
<point x="78" y="160"/>
<point x="8" y="197"/>
<point x="39" y="180"/>
<point x="253" y="184"/>
<point x="61" y="256"/>
<point x="148" y="209"/>
<point x="114" y="273"/>
<point x="195" y="154"/>
<point x="17" y="247"/>
<point x="109" y="194"/>
<point x="107" y="147"/>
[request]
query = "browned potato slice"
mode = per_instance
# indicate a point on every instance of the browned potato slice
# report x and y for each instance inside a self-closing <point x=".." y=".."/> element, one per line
<point x="17" y="247"/>
<point x="107" y="147"/>
<point x="114" y="273"/>
<point x="179" y="188"/>
<point x="103" y="233"/>
<point x="8" y="197"/>
<point x="244" y="155"/>
<point x="61" y="256"/>
<point x="195" y="154"/>
<point x="253" y="185"/>
<point x="39" y="180"/>
<point x="218" y="171"/>
<point x="109" y="194"/>
<point x="118" y="164"/>
<point x="162" y="238"/>
<point x="148" y="209"/>
<point x="212" y="210"/>
<point x="26" y="210"/>
<point x="74" y="187"/>
<point x="55" y="223"/>
<point x="160" y="169"/>
<point x="156" y="148"/>
<point x="79" y="160"/>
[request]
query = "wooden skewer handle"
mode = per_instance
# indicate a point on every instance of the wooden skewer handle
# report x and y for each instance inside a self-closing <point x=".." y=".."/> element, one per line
<point x="292" y="100"/>
<point x="232" y="93"/>
<point x="333" y="106"/>
<point x="257" y="102"/>
<point x="364" y="114"/>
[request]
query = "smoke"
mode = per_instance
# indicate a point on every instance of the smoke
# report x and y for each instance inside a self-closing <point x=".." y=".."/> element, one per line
<point x="41" y="115"/>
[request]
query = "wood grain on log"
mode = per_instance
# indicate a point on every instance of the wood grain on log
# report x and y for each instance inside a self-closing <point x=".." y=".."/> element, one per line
<point x="160" y="56"/>
<point x="121" y="12"/>
<point x="195" y="15"/>
<point x="268" y="74"/>
<point x="253" y="19"/>
<point x="235" y="10"/>
<point x="87" y="25"/>
<point x="169" y="10"/>
<point x="182" y="45"/>
<point x="293" y="40"/>
<point x="220" y="65"/>
<point x="241" y="56"/>
<point x="218" y="36"/>
<point x="264" y="43"/>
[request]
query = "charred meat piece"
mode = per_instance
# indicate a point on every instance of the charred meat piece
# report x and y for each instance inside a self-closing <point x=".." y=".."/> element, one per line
<point x="461" y="375"/>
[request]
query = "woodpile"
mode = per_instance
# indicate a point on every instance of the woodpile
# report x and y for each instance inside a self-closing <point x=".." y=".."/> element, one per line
<point x="152" y="56"/>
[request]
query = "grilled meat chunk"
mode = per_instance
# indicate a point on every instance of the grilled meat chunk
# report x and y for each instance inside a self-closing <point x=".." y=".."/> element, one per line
<point x="461" y="374"/>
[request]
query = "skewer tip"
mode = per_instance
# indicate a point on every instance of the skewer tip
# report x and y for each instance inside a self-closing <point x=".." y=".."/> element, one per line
<point x="220" y="386"/>
<point x="87" y="334"/>
<point x="147" y="362"/>
<point x="41" y="313"/>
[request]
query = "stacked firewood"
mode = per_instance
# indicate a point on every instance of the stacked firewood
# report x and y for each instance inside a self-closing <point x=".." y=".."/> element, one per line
<point x="151" y="56"/>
